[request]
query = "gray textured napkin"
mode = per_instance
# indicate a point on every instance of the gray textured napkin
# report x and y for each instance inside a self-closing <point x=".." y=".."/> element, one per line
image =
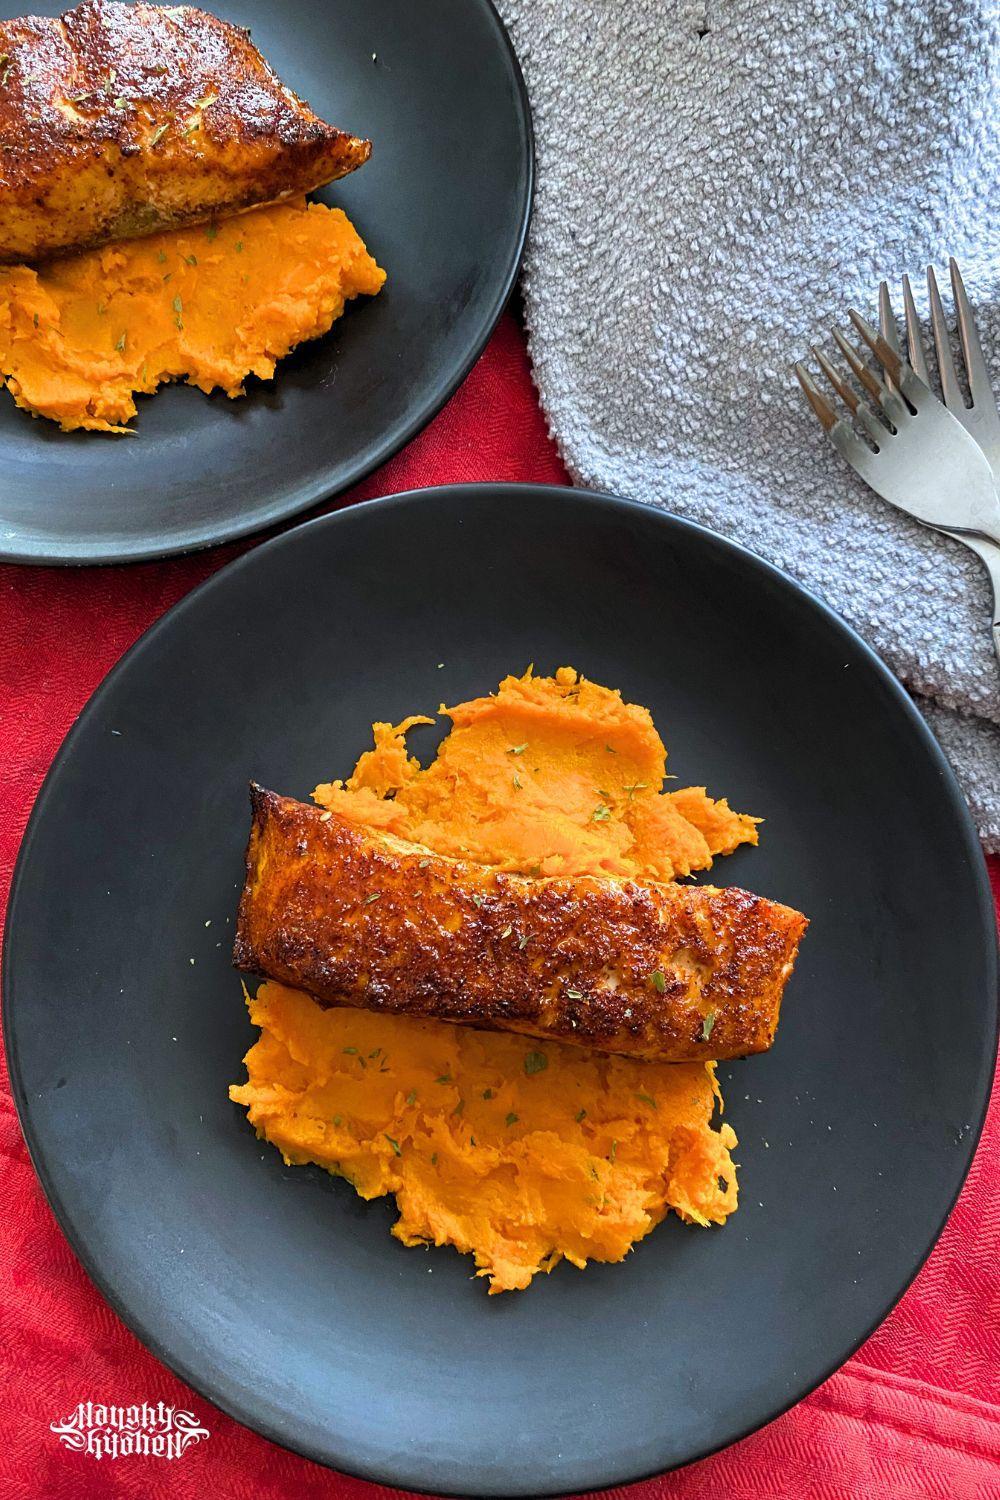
<point x="716" y="184"/>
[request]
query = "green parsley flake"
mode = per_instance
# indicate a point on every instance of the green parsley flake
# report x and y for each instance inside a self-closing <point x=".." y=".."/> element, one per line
<point x="487" y="1093"/>
<point x="477" y="900"/>
<point x="601" y="814"/>
<point x="706" y="1025"/>
<point x="518" y="749"/>
<point x="211" y="231"/>
<point x="411" y="1097"/>
<point x="351" y="1051"/>
<point x="658" y="981"/>
<point x="160" y="257"/>
<point x="422" y="864"/>
<point x="120" y="345"/>
<point x="192" y="260"/>
<point x="523" y="942"/>
<point x="535" y="1062"/>
<point x="518" y="785"/>
<point x="614" y="1151"/>
<point x="512" y="1118"/>
<point x="238" y="247"/>
<point x="374" y="897"/>
<point x="574" y="994"/>
<point x="434" y="1158"/>
<point x="159" y="133"/>
<point x="178" y="309"/>
<point x="581" y="1115"/>
<point x="394" y="1145"/>
<point x="444" y="1078"/>
<point x="375" y="1053"/>
<point x="338" y="1120"/>
<point x="646" y="1099"/>
<point x="459" y="1107"/>
<point x="637" y="786"/>
<point x="506" y="932"/>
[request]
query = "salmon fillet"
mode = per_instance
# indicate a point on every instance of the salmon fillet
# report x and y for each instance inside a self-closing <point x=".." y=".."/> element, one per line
<point x="669" y="973"/>
<point x="120" y="120"/>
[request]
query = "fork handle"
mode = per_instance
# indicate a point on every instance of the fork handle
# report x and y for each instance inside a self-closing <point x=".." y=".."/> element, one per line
<point x="990" y="554"/>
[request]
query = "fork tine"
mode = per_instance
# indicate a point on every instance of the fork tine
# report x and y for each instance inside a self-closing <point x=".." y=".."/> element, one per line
<point x="914" y="343"/>
<point x="815" y="397"/>
<point x="861" y="371"/>
<point x="888" y="327"/>
<point x="887" y="357"/>
<point x="840" y="385"/>
<point x="950" y="387"/>
<point x="980" y="386"/>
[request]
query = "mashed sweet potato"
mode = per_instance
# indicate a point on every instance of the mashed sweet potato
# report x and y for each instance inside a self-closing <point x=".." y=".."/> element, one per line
<point x="521" y="1153"/>
<point x="210" y="305"/>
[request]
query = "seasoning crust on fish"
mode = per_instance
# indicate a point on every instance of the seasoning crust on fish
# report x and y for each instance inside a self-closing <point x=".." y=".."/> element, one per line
<point x="119" y="120"/>
<point x="669" y="973"/>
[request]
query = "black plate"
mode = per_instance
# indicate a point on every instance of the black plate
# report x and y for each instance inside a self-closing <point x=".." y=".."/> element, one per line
<point x="291" y="1306"/>
<point x="443" y="205"/>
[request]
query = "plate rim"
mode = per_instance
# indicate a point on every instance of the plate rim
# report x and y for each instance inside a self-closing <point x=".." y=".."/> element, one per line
<point x="319" y="490"/>
<point x="283" y="1435"/>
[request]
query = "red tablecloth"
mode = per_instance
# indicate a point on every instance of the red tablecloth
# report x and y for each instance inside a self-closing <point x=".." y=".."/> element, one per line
<point x="917" y="1411"/>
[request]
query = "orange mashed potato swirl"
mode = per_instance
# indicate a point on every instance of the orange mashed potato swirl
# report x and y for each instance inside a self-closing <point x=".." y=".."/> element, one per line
<point x="521" y="1153"/>
<point x="210" y="304"/>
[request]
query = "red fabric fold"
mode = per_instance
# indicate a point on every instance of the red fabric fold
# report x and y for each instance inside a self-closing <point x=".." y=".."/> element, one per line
<point x="916" y="1413"/>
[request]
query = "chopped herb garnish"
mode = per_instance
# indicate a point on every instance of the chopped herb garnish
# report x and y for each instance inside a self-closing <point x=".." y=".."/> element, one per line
<point x="472" y="1140"/>
<point x="517" y="782"/>
<point x="535" y="1062"/>
<point x="35" y="320"/>
<point x="487" y="1093"/>
<point x="160" y="256"/>
<point x="351" y="1051"/>
<point x="601" y="814"/>
<point x="593" y="1171"/>
<point x="518" y="749"/>
<point x="238" y="247"/>
<point x="605" y="795"/>
<point x="422" y="865"/>
<point x="159" y="133"/>
<point x="611" y="749"/>
<point x="459" y="1107"/>
<point x="338" y="1120"/>
<point x="190" y="128"/>
<point x="167" y="276"/>
<point x="477" y="900"/>
<point x="192" y="260"/>
<point x="373" y="897"/>
<point x="434" y="1158"/>
<point x="512" y="1118"/>
<point x="119" y="103"/>
<point x="637" y="786"/>
<point x="646" y="1099"/>
<point x="574" y="994"/>
<point x="375" y="1053"/>
<point x="101" y="309"/>
<point x="444" y="1078"/>
<point x="614" y="1151"/>
<point x="506" y="932"/>
<point x="411" y="1097"/>
<point x="178" y="309"/>
<point x="394" y="1145"/>
<point x="120" y="345"/>
<point x="580" y="1115"/>
<point x="657" y="980"/>
<point x="211" y="231"/>
<point x="706" y="1025"/>
<point x="523" y="942"/>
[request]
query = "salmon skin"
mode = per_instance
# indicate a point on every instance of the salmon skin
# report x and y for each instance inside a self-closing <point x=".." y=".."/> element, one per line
<point x="669" y="973"/>
<point x="120" y="120"/>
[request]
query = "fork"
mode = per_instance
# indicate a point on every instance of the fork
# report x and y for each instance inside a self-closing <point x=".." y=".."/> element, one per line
<point x="920" y="456"/>
<point x="981" y="419"/>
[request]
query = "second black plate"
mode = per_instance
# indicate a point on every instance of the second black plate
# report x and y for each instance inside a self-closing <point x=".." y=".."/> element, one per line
<point x="443" y="205"/>
<point x="275" y="1290"/>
